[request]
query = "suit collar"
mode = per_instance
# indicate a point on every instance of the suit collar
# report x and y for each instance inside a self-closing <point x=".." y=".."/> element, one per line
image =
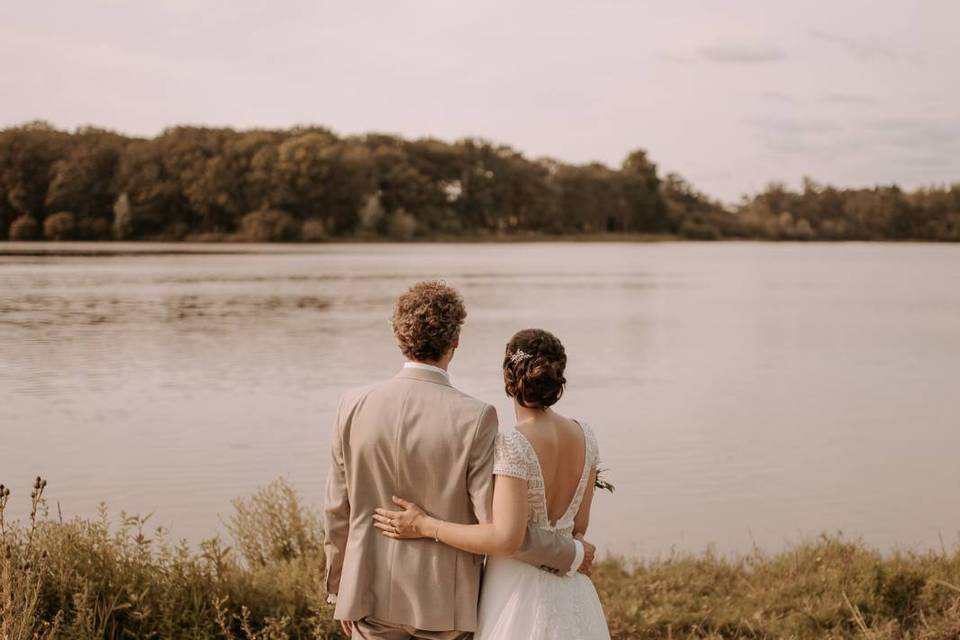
<point x="425" y="375"/>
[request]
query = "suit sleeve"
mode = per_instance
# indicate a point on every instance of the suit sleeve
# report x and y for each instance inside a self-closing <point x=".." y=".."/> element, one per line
<point x="336" y="510"/>
<point x="547" y="550"/>
<point x="480" y="472"/>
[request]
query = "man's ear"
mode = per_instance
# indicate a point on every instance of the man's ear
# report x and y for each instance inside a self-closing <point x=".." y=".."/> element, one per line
<point x="456" y="343"/>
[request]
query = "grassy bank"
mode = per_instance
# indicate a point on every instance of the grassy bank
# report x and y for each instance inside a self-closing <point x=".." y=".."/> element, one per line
<point x="97" y="579"/>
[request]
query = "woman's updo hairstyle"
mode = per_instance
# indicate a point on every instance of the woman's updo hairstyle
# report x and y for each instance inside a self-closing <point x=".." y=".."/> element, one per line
<point x="533" y="367"/>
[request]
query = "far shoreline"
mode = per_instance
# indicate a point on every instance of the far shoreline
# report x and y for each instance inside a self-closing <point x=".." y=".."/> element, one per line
<point x="159" y="247"/>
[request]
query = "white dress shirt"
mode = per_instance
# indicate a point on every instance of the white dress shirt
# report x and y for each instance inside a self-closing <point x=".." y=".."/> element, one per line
<point x="427" y="367"/>
<point x="577" y="559"/>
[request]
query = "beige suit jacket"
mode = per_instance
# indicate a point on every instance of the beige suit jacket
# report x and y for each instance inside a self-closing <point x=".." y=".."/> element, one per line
<point x="416" y="437"/>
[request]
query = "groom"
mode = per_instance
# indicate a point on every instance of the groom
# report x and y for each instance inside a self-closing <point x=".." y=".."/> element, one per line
<point x="417" y="436"/>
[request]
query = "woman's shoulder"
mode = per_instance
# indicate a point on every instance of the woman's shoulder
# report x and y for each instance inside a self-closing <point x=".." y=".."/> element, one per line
<point x="510" y="435"/>
<point x="516" y="442"/>
<point x="510" y="455"/>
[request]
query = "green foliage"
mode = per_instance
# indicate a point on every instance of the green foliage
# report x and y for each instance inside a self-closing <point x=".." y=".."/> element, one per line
<point x="199" y="183"/>
<point x="25" y="228"/>
<point x="313" y="231"/>
<point x="402" y="225"/>
<point x="122" y="217"/>
<point x="826" y="213"/>
<point x="271" y="526"/>
<point x="60" y="226"/>
<point x="269" y="226"/>
<point x="87" y="579"/>
<point x="81" y="179"/>
<point x="827" y="588"/>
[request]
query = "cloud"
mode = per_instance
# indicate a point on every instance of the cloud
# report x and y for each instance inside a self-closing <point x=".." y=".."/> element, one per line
<point x="833" y="97"/>
<point x="927" y="161"/>
<point x="739" y="53"/>
<point x="797" y="136"/>
<point x="666" y="56"/>
<point x="792" y="126"/>
<point x="906" y="140"/>
<point x="922" y="134"/>
<point x="855" y="46"/>
<point x="848" y="98"/>
<point x="780" y="96"/>
<point x="910" y="142"/>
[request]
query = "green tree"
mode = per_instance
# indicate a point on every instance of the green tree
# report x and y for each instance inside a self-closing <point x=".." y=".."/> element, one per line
<point x="269" y="226"/>
<point x="82" y="181"/>
<point x="197" y="180"/>
<point x="645" y="210"/>
<point x="60" y="226"/>
<point x="25" y="227"/>
<point x="27" y="156"/>
<point x="318" y="177"/>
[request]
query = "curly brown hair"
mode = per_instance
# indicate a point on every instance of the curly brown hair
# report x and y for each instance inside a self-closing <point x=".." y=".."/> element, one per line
<point x="533" y="368"/>
<point x="427" y="319"/>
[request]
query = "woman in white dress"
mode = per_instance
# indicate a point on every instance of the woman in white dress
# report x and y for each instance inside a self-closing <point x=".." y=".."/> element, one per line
<point x="546" y="469"/>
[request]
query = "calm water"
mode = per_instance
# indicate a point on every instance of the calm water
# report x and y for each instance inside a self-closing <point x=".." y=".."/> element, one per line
<point x="742" y="393"/>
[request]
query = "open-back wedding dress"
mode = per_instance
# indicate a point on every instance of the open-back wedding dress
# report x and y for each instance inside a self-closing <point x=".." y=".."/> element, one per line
<point x="518" y="600"/>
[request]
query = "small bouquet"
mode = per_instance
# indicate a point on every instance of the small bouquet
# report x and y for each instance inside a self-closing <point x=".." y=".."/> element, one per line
<point x="602" y="483"/>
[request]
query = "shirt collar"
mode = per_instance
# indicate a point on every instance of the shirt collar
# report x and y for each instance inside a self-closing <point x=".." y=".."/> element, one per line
<point x="426" y="367"/>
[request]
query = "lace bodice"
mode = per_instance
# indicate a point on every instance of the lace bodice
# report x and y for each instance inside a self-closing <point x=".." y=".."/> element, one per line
<point x="514" y="456"/>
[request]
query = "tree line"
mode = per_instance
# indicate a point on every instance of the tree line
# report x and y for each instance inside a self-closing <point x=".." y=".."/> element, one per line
<point x="309" y="184"/>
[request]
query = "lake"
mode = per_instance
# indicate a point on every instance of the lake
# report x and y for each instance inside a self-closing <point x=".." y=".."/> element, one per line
<point x="743" y="393"/>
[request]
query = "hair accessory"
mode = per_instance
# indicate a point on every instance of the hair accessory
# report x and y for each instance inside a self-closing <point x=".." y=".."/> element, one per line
<point x="519" y="356"/>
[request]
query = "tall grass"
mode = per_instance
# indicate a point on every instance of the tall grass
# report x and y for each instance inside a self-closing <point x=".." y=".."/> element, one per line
<point x="91" y="579"/>
<point x="87" y="579"/>
<point x="826" y="588"/>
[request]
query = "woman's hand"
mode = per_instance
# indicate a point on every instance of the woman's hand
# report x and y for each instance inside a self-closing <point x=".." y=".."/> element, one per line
<point x="410" y="523"/>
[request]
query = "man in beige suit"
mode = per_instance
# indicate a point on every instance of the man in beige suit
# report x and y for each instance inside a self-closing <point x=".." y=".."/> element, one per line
<point x="417" y="436"/>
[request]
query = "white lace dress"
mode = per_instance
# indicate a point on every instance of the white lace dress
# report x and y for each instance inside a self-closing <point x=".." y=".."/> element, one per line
<point x="518" y="600"/>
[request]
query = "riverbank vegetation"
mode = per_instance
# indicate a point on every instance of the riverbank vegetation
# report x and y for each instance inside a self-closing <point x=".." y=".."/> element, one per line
<point x="309" y="184"/>
<point x="90" y="579"/>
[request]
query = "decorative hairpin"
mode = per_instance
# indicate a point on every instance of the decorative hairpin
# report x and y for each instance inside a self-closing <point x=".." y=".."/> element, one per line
<point x="519" y="356"/>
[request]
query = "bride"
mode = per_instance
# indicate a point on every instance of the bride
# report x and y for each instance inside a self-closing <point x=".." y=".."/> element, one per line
<point x="545" y="474"/>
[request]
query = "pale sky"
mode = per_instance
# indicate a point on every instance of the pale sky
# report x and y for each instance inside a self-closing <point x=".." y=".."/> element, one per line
<point x="730" y="94"/>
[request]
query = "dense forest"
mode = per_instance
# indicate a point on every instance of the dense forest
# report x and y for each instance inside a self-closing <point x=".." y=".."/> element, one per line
<point x="309" y="184"/>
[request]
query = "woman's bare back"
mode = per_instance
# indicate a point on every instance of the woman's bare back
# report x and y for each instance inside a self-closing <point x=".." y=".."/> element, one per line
<point x="561" y="449"/>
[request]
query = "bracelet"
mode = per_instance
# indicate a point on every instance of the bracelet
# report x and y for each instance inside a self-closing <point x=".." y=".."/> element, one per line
<point x="436" y="534"/>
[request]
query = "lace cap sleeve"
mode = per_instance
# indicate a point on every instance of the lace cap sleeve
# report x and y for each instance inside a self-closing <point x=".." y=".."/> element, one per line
<point x="593" y="449"/>
<point x="508" y="457"/>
